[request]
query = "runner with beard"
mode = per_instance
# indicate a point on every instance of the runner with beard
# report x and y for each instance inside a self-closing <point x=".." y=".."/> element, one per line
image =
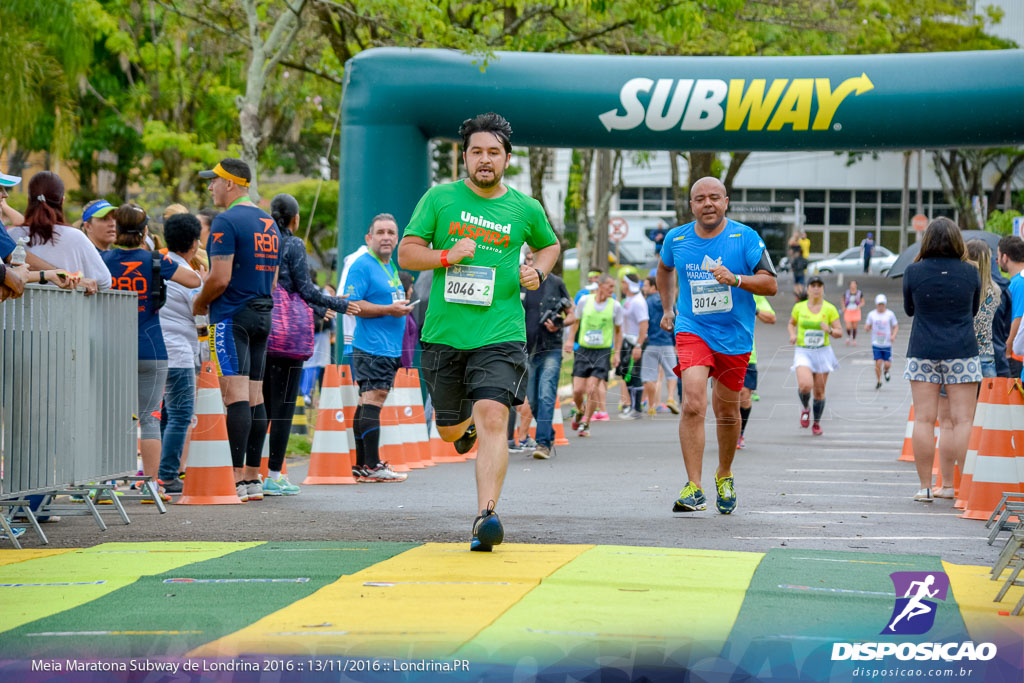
<point x="470" y="233"/>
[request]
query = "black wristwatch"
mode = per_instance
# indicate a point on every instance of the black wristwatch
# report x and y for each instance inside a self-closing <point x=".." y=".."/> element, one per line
<point x="42" y="277"/>
<point x="541" y="274"/>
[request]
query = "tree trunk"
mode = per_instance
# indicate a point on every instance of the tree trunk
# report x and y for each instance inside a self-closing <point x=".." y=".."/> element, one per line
<point x="602" y="196"/>
<point x="701" y="166"/>
<point x="584" y="230"/>
<point x="540" y="157"/>
<point x="736" y="160"/>
<point x="680" y="194"/>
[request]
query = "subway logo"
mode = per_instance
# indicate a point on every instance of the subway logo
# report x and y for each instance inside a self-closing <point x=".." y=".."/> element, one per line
<point x="707" y="103"/>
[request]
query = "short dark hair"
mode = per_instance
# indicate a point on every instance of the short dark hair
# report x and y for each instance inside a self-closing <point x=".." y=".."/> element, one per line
<point x="131" y="222"/>
<point x="1012" y="247"/>
<point x="942" y="239"/>
<point x="406" y="278"/>
<point x="208" y="213"/>
<point x="380" y="217"/>
<point x="487" y="123"/>
<point x="632" y="277"/>
<point x="181" y="231"/>
<point x="652" y="281"/>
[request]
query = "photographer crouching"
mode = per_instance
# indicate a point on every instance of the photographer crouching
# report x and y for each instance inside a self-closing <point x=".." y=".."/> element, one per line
<point x="548" y="310"/>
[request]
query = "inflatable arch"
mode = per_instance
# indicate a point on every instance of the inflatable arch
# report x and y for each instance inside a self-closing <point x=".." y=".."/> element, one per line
<point x="396" y="100"/>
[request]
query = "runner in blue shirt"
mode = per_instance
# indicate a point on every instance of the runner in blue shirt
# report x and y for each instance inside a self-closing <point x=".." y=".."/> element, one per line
<point x="377" y="345"/>
<point x="722" y="264"/>
<point x="243" y="246"/>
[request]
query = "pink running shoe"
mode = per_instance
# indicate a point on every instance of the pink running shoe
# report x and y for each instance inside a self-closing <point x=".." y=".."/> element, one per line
<point x="816" y="429"/>
<point x="805" y="418"/>
<point x="600" y="417"/>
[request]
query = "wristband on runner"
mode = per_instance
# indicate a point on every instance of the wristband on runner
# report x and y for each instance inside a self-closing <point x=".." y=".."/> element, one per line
<point x="444" y="259"/>
<point x="739" y="281"/>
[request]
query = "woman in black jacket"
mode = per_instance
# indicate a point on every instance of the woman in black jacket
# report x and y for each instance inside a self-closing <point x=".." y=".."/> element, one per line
<point x="941" y="291"/>
<point x="281" y="384"/>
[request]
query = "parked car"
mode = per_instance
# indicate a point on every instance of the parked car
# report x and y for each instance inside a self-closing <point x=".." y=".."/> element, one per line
<point x="572" y="262"/>
<point x="851" y="261"/>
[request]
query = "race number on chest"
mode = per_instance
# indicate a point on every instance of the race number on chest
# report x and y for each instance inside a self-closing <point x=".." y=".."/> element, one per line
<point x="710" y="297"/>
<point x="473" y="285"/>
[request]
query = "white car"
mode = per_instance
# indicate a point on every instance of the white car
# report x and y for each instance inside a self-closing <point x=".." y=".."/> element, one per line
<point x="851" y="262"/>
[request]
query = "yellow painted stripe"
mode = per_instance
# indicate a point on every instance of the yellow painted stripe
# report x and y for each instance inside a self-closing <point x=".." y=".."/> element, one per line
<point x="615" y="599"/>
<point x="15" y="556"/>
<point x="116" y="564"/>
<point x="428" y="602"/>
<point x="974" y="593"/>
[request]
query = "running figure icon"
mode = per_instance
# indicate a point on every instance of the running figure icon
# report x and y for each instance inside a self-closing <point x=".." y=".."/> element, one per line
<point x="915" y="606"/>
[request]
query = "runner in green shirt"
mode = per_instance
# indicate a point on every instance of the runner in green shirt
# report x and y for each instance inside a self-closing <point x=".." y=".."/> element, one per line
<point x="812" y="325"/>
<point x="470" y="233"/>
<point x="766" y="314"/>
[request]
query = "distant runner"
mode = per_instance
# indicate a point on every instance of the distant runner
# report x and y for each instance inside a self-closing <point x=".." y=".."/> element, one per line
<point x="811" y="326"/>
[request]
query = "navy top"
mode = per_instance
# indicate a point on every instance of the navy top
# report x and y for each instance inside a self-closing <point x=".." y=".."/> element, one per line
<point x="370" y="280"/>
<point x="293" y="276"/>
<point x="942" y="295"/>
<point x="132" y="270"/>
<point x="250" y="235"/>
<point x="7" y="245"/>
<point x="655" y="335"/>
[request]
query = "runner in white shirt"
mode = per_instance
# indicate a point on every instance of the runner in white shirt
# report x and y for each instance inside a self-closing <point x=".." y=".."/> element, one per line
<point x="882" y="326"/>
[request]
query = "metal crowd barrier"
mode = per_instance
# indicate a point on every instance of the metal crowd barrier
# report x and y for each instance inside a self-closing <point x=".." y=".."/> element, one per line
<point x="68" y="393"/>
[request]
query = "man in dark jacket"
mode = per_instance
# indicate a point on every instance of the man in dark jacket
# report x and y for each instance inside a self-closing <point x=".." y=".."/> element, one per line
<point x="1001" y="322"/>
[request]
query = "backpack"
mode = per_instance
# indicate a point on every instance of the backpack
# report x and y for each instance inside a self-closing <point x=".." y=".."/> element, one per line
<point x="159" y="284"/>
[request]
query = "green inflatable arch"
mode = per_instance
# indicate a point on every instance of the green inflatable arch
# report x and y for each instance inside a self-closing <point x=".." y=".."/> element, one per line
<point x="396" y="100"/>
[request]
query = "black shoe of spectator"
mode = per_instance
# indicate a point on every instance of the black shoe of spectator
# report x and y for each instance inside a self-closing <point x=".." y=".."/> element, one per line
<point x="173" y="487"/>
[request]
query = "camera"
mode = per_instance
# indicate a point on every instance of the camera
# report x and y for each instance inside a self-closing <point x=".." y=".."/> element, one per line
<point x="556" y="314"/>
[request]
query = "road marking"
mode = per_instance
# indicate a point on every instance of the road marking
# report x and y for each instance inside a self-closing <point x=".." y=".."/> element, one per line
<point x="829" y="559"/>
<point x="834" y="590"/>
<point x="595" y="634"/>
<point x="887" y="460"/>
<point x="906" y="471"/>
<point x="859" y="538"/>
<point x="836" y="495"/>
<point x="109" y="633"/>
<point x="872" y="483"/>
<point x="182" y="580"/>
<point x="390" y="584"/>
<point x="64" y="583"/>
<point x="850" y="512"/>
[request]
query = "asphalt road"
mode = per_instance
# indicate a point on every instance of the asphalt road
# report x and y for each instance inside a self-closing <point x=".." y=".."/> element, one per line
<point x="844" y="490"/>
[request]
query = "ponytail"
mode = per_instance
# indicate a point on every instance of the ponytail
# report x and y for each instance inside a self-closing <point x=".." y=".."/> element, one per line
<point x="283" y="208"/>
<point x="45" y="206"/>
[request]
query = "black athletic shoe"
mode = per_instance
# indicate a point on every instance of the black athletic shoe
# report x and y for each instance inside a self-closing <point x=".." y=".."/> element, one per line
<point x="487" y="531"/>
<point x="174" y="486"/>
<point x="464" y="444"/>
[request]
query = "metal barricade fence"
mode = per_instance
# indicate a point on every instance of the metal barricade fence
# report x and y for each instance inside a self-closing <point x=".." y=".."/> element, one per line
<point x="68" y="389"/>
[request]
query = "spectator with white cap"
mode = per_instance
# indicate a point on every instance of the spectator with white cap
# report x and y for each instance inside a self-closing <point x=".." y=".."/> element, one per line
<point x="882" y="326"/>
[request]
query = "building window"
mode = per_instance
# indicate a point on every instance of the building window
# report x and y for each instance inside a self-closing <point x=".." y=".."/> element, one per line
<point x="629" y="199"/>
<point x="654" y="199"/>
<point x="839" y="215"/>
<point x="814" y="215"/>
<point x="786" y="195"/>
<point x="895" y="196"/>
<point x="866" y="215"/>
<point x="867" y="196"/>
<point x="814" y="196"/>
<point x="891" y="216"/>
<point x="759" y="195"/>
<point x="839" y="196"/>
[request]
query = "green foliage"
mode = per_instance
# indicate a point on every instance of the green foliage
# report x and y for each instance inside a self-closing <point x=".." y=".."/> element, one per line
<point x="1001" y="222"/>
<point x="323" y="233"/>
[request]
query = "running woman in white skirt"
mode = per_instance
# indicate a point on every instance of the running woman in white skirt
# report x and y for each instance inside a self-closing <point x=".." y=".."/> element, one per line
<point x="813" y="324"/>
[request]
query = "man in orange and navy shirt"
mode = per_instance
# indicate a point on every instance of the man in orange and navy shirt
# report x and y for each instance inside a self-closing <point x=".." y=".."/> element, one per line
<point x="243" y="248"/>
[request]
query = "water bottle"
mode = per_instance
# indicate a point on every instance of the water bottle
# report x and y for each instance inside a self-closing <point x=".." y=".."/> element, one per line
<point x="18" y="255"/>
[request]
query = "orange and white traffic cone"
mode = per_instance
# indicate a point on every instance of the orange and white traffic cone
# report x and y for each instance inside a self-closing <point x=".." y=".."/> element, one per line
<point x="442" y="451"/>
<point x="416" y="450"/>
<point x="331" y="459"/>
<point x="392" y="448"/>
<point x="996" y="468"/>
<point x="265" y="459"/>
<point x="557" y="423"/>
<point x="967" y="476"/>
<point x="210" y="476"/>
<point x="417" y="427"/>
<point x="907" y="454"/>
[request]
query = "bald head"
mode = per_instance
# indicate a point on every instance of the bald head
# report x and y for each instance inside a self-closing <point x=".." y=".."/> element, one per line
<point x="708" y="203"/>
<point x="708" y="184"/>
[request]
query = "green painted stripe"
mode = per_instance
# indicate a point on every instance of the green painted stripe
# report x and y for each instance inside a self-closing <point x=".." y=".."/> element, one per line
<point x="115" y="564"/>
<point x="809" y="599"/>
<point x="196" y="613"/>
<point x="613" y="601"/>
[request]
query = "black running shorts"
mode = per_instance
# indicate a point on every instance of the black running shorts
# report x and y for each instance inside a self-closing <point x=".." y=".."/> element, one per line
<point x="374" y="372"/>
<point x="457" y="378"/>
<point x="238" y="345"/>
<point x="592" y="363"/>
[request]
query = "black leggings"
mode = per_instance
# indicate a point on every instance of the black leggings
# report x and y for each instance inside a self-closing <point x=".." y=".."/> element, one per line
<point x="280" y="387"/>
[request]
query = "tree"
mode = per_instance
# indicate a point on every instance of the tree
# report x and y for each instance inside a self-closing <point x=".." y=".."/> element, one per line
<point x="962" y="174"/>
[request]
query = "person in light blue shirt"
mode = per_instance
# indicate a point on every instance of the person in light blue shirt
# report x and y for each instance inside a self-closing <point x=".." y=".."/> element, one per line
<point x="374" y="284"/>
<point x="721" y="265"/>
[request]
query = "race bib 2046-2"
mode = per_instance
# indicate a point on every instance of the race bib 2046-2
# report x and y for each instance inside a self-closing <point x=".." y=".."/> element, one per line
<point x="473" y="285"/>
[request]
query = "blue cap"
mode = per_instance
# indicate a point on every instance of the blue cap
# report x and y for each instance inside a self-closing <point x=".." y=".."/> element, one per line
<point x="97" y="210"/>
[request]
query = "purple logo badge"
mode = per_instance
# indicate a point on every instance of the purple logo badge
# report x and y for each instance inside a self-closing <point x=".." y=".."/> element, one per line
<point x="914" y="611"/>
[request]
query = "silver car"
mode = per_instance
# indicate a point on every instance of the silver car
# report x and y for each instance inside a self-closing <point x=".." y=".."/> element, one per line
<point x="851" y="261"/>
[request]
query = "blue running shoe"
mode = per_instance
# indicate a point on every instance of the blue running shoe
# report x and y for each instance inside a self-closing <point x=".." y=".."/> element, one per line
<point x="464" y="444"/>
<point x="691" y="499"/>
<point x="487" y="531"/>
<point x="726" y="502"/>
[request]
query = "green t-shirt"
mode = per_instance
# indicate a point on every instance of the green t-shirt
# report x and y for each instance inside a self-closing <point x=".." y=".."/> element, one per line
<point x="808" y="325"/>
<point x="500" y="227"/>
<point x="760" y="305"/>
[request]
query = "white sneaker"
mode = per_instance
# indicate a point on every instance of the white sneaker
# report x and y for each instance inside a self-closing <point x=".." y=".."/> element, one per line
<point x="923" y="496"/>
<point x="383" y="472"/>
<point x="254" y="489"/>
<point x="243" y="491"/>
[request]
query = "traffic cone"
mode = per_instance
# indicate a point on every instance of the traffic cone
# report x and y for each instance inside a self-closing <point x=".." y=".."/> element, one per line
<point x="413" y="418"/>
<point x="299" y="423"/>
<point x="557" y="423"/>
<point x="331" y="459"/>
<point x="907" y="454"/>
<point x="392" y="448"/>
<point x="349" y="399"/>
<point x="265" y="458"/>
<point x="996" y="467"/>
<point x="211" y="477"/>
<point x="967" y="476"/>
